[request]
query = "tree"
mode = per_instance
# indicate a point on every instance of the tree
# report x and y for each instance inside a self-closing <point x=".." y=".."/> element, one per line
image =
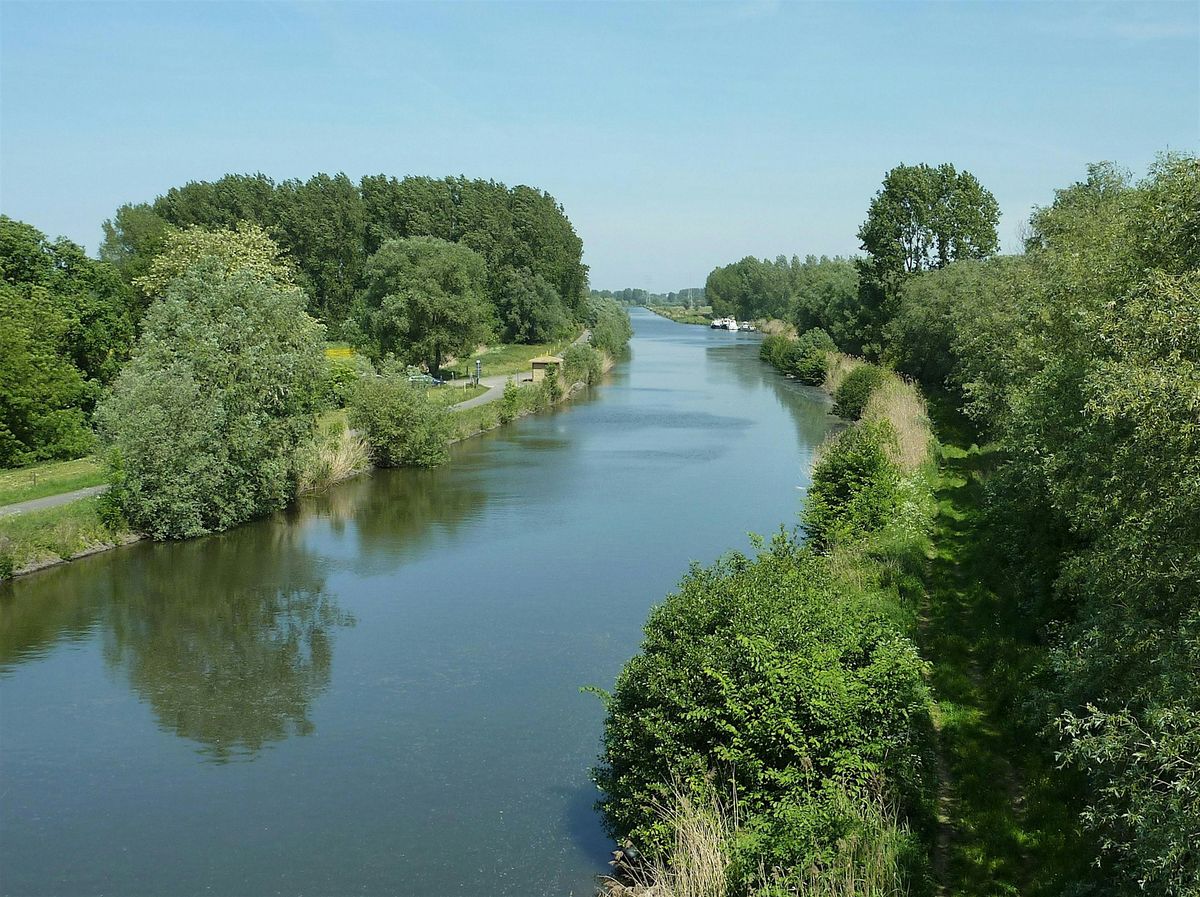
<point x="926" y="217"/>
<point x="245" y="248"/>
<point x="320" y="226"/>
<point x="204" y="424"/>
<point x="531" y="311"/>
<point x="426" y="300"/>
<point x="922" y="218"/>
<point x="403" y="425"/>
<point x="68" y="326"/>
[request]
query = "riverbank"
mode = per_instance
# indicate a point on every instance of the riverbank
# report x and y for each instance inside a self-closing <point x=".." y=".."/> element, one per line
<point x="855" y="577"/>
<point x="682" y="315"/>
<point x="43" y="538"/>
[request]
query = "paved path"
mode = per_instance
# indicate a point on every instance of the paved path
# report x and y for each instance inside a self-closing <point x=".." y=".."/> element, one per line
<point x="495" y="383"/>
<point x="50" y="501"/>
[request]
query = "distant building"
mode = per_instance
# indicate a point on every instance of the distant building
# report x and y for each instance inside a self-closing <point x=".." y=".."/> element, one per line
<point x="542" y="363"/>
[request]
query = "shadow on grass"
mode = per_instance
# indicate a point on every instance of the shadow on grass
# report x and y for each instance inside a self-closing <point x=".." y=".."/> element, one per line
<point x="1007" y="810"/>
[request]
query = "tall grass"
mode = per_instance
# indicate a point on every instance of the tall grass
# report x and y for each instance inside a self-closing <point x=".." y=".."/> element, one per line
<point x="902" y="405"/>
<point x="869" y="861"/>
<point x="839" y="366"/>
<point x="336" y="453"/>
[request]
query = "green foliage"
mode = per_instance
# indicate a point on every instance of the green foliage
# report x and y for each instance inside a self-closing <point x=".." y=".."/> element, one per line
<point x="203" y="425"/>
<point x="922" y="218"/>
<point x="58" y="533"/>
<point x="807" y="358"/>
<point x="510" y="402"/>
<point x="1082" y="359"/>
<point x="425" y="300"/>
<point x="552" y="384"/>
<point x="925" y="217"/>
<point x="328" y="226"/>
<point x="584" y="364"/>
<point x="404" y="427"/>
<point x="247" y="247"/>
<point x="530" y="309"/>
<point x="68" y="325"/>
<point x="855" y="390"/>
<point x="749" y="289"/>
<point x="342" y="375"/>
<point x="609" y="324"/>
<point x="767" y="675"/>
<point x="856" y="488"/>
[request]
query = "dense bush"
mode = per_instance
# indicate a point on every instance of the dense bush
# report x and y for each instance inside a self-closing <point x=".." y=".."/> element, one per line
<point x="855" y="485"/>
<point x="766" y="676"/>
<point x="342" y="374"/>
<point x="68" y="325"/>
<point x="404" y="427"/>
<point x="610" y="326"/>
<point x="807" y="358"/>
<point x="853" y="393"/>
<point x="204" y="425"/>
<point x="583" y="364"/>
<point x="774" y="349"/>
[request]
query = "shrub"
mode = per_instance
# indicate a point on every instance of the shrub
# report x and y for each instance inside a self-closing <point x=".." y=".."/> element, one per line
<point x="797" y="696"/>
<point x="342" y="373"/>
<point x="852" y="395"/>
<point x="774" y="349"/>
<point x="583" y="364"/>
<point x="510" y="402"/>
<point x="204" y="425"/>
<point x="610" y="326"/>
<point x="855" y="485"/>
<point x="552" y="385"/>
<point x="404" y="427"/>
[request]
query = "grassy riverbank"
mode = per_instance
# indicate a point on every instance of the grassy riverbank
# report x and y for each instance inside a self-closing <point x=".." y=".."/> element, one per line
<point x="681" y="315"/>
<point x="52" y="478"/>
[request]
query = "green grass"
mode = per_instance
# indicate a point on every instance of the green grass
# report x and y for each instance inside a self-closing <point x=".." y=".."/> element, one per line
<point x="1007" y="826"/>
<point x="682" y="315"/>
<point x="511" y="358"/>
<point x="452" y="395"/>
<point x="52" y="478"/>
<point x="62" y="532"/>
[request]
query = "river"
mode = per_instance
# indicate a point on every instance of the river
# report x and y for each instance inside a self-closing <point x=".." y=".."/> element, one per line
<point x="378" y="692"/>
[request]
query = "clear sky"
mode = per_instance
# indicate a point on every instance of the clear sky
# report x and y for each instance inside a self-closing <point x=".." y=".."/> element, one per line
<point x="677" y="136"/>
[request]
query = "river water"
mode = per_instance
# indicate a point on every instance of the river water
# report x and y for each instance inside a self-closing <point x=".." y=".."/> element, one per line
<point x="378" y="692"/>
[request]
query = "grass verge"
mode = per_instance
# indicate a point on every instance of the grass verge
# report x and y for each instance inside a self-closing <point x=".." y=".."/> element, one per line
<point x="52" y="478"/>
<point x="38" y="538"/>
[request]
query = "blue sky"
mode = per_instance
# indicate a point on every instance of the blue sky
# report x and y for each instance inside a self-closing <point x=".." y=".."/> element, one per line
<point x="677" y="136"/>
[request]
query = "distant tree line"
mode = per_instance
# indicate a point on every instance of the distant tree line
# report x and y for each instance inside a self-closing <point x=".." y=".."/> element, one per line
<point x="692" y="297"/>
<point x="329" y="227"/>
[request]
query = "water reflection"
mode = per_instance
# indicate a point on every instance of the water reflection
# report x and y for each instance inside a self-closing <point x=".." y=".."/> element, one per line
<point x="225" y="660"/>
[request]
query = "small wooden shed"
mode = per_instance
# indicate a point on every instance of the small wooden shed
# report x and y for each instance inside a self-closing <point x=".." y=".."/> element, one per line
<point x="544" y="362"/>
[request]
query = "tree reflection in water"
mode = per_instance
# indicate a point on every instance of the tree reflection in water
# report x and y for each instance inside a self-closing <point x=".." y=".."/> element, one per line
<point x="229" y="638"/>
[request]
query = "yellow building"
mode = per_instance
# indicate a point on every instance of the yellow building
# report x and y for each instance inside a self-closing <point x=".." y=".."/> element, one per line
<point x="542" y="363"/>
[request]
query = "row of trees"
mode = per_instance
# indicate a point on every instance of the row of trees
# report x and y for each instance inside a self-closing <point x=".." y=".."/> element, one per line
<point x="693" y="297"/>
<point x="1081" y="358"/>
<point x="923" y="218"/>
<point x="330" y="227"/>
<point x="1080" y="361"/>
<point x="419" y="268"/>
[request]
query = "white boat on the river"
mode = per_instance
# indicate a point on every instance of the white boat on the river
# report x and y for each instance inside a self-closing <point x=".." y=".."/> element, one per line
<point x="724" y="324"/>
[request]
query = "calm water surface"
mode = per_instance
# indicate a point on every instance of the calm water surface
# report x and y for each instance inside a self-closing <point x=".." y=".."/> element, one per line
<point x="378" y="692"/>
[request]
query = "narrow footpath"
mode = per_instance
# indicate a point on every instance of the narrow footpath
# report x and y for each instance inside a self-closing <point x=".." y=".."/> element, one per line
<point x="1002" y="830"/>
